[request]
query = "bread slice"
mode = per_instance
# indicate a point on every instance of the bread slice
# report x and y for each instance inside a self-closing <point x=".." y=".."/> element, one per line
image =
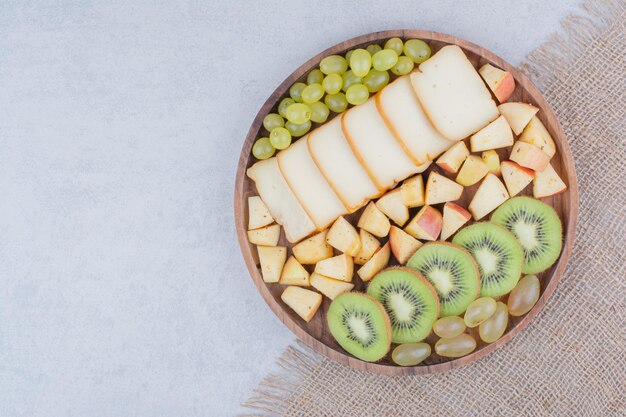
<point x="453" y="95"/>
<point x="343" y="171"/>
<point x="280" y="201"/>
<point x="375" y="146"/>
<point x="401" y="110"/>
<point x="309" y="185"/>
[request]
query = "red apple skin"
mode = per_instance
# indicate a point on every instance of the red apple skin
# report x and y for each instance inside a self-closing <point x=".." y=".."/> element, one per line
<point x="505" y="88"/>
<point x="430" y="221"/>
<point x="521" y="168"/>
<point x="446" y="167"/>
<point x="529" y="156"/>
<point x="459" y="210"/>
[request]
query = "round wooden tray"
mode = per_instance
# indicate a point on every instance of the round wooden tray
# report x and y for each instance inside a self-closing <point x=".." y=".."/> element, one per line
<point x="315" y="333"/>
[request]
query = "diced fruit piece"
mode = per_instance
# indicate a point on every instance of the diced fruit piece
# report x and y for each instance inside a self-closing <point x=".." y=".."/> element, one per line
<point x="265" y="236"/>
<point x="537" y="134"/>
<point x="547" y="183"/>
<point x="490" y="194"/>
<point x="258" y="214"/>
<point x="403" y="245"/>
<point x="492" y="159"/>
<point x="313" y="249"/>
<point x="500" y="82"/>
<point x="331" y="288"/>
<point x="529" y="156"/>
<point x="344" y="237"/>
<point x="440" y="189"/>
<point x="412" y="191"/>
<point x="496" y="134"/>
<point x="426" y="224"/>
<point x="376" y="264"/>
<point x="454" y="217"/>
<point x="272" y="259"/>
<point x="369" y="245"/>
<point x="374" y="221"/>
<point x="452" y="159"/>
<point x="338" y="267"/>
<point x="517" y="115"/>
<point x="472" y="171"/>
<point x="516" y="177"/>
<point x="392" y="205"/>
<point x="294" y="274"/>
<point x="304" y="302"/>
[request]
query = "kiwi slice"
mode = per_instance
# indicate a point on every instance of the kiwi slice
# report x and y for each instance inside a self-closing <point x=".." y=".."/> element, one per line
<point x="452" y="271"/>
<point x="498" y="254"/>
<point x="360" y="325"/>
<point x="538" y="229"/>
<point x="409" y="300"/>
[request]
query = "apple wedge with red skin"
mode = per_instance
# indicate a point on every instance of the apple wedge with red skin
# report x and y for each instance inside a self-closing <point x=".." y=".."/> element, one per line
<point x="537" y="134"/>
<point x="516" y="177"/>
<point x="454" y="217"/>
<point x="403" y="245"/>
<point x="426" y="225"/>
<point x="500" y="82"/>
<point x="547" y="183"/>
<point x="529" y="156"/>
<point x="452" y="159"/>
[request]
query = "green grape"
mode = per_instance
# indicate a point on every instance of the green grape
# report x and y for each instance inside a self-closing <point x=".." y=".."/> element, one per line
<point x="296" y="91"/>
<point x="357" y="94"/>
<point x="334" y="64"/>
<point x="315" y="76"/>
<point x="385" y="59"/>
<point x="312" y="93"/>
<point x="336" y="102"/>
<point x="284" y="103"/>
<point x="394" y="44"/>
<point x="280" y="138"/>
<point x="375" y="80"/>
<point x="332" y="83"/>
<point x="319" y="112"/>
<point x="348" y="79"/>
<point x="263" y="149"/>
<point x="273" y="120"/>
<point x="298" y="113"/>
<point x="403" y="66"/>
<point x="373" y="48"/>
<point x="360" y="62"/>
<point x="298" y="130"/>
<point x="417" y="50"/>
<point x="349" y="54"/>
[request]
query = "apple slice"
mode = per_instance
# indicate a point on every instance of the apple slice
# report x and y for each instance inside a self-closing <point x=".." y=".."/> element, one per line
<point x="426" y="224"/>
<point x="369" y="245"/>
<point x="403" y="245"/>
<point x="500" y="82"/>
<point x="392" y="205"/>
<point x="331" y="288"/>
<point x="258" y="213"/>
<point x="472" y="171"/>
<point x="516" y="177"/>
<point x="412" y="191"/>
<point x="492" y="159"/>
<point x="529" y="156"/>
<point x="517" y="115"/>
<point x="272" y="259"/>
<point x="490" y="194"/>
<point x="265" y="236"/>
<point x="313" y="249"/>
<point x="378" y="262"/>
<point x="294" y="274"/>
<point x="452" y="159"/>
<point x="537" y="134"/>
<point x="344" y="237"/>
<point x="547" y="183"/>
<point x="304" y="302"/>
<point x="440" y="189"/>
<point x="374" y="221"/>
<point x="338" y="267"/>
<point x="454" y="217"/>
<point x="495" y="135"/>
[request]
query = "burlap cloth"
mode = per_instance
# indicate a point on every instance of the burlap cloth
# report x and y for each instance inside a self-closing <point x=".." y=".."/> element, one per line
<point x="571" y="360"/>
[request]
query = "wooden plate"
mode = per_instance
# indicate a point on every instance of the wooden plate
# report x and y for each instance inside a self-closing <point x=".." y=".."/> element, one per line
<point x="315" y="333"/>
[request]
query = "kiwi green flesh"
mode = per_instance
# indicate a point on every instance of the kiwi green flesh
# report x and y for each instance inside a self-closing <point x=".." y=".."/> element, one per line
<point x="409" y="302"/>
<point x="538" y="229"/>
<point x="498" y="254"/>
<point x="359" y="326"/>
<point x="452" y="272"/>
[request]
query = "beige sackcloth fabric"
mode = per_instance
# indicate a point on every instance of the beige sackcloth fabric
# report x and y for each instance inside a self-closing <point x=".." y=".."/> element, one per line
<point x="571" y="360"/>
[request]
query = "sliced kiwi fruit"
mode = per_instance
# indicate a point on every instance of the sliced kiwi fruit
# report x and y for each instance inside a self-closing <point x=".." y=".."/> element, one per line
<point x="538" y="229"/>
<point x="410" y="301"/>
<point x="452" y="271"/>
<point x="360" y="325"/>
<point x="498" y="254"/>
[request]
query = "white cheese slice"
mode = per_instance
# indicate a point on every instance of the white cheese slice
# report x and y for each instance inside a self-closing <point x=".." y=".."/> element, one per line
<point x="453" y="95"/>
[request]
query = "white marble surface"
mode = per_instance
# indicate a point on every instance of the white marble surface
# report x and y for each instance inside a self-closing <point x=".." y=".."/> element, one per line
<point x="122" y="290"/>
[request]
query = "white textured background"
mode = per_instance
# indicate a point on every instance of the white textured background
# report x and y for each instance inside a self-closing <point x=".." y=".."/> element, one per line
<point x="122" y="290"/>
